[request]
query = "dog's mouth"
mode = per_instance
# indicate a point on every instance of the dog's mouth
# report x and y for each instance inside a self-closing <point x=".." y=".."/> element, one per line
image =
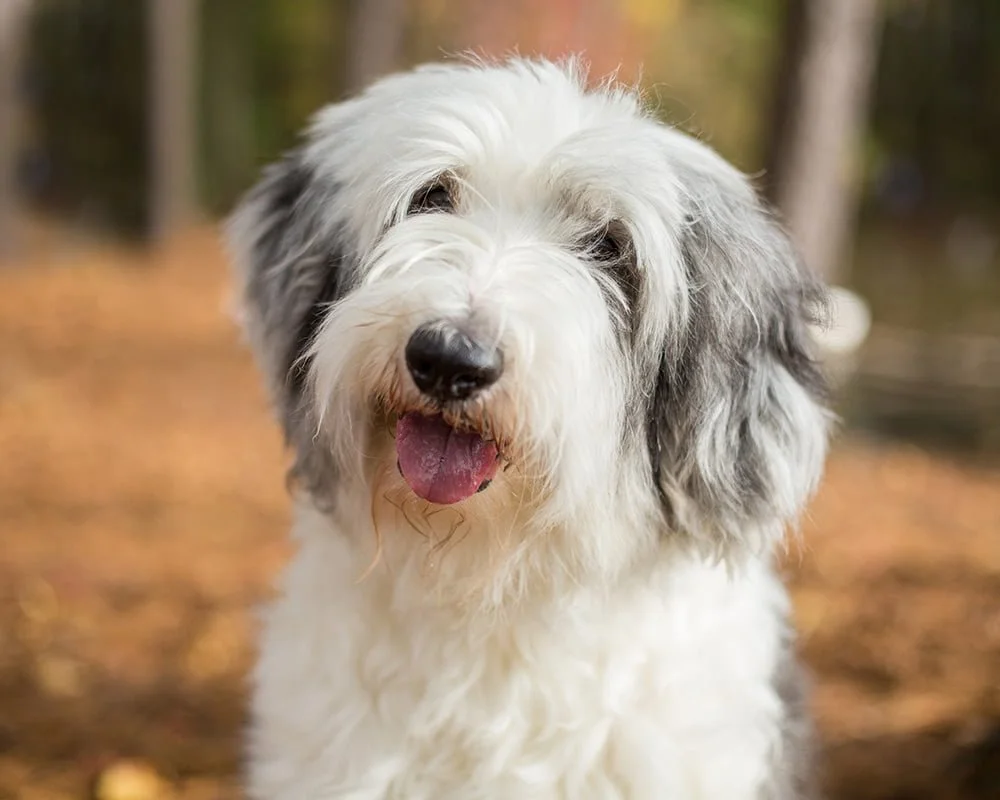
<point x="441" y="463"/>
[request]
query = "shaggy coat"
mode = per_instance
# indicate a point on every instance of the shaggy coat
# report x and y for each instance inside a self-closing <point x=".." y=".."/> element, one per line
<point x="602" y="619"/>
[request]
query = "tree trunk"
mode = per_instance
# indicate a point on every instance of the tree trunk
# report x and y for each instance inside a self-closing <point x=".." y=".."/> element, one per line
<point x="13" y="19"/>
<point x="173" y="134"/>
<point x="791" y="53"/>
<point x="229" y="154"/>
<point x="375" y="39"/>
<point x="817" y="132"/>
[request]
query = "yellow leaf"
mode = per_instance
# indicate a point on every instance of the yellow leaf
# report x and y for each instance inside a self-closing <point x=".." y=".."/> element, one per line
<point x="131" y="780"/>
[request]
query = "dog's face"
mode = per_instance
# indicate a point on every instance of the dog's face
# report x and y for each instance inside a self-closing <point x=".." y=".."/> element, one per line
<point x="488" y="288"/>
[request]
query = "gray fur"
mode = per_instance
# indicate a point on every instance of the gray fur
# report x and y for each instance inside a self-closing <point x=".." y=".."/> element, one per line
<point x="750" y="302"/>
<point x="292" y="270"/>
<point x="793" y="775"/>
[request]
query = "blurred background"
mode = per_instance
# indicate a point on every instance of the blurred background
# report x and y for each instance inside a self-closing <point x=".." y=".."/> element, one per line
<point x="142" y="504"/>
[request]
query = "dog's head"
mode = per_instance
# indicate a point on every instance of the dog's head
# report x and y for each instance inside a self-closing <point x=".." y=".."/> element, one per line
<point x="489" y="287"/>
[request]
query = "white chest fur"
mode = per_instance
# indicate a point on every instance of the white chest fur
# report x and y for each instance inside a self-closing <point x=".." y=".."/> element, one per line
<point x="660" y="688"/>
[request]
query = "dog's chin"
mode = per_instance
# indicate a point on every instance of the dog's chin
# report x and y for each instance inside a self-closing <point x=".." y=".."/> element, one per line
<point x="444" y="459"/>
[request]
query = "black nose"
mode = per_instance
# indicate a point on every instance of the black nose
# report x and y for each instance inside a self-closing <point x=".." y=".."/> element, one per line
<point x="448" y="364"/>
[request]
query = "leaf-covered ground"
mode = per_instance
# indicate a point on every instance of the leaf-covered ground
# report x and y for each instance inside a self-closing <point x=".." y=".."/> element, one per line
<point x="143" y="513"/>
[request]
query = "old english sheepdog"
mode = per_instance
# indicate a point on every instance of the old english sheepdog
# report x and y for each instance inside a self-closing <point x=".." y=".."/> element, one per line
<point x="543" y="362"/>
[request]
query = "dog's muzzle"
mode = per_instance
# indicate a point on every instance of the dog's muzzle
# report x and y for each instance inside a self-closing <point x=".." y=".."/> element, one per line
<point x="441" y="463"/>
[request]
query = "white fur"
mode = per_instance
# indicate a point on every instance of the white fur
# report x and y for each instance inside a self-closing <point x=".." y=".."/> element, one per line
<point x="561" y="634"/>
<point x="660" y="689"/>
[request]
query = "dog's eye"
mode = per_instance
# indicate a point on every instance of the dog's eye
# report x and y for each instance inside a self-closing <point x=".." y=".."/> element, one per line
<point x="431" y="199"/>
<point x="608" y="246"/>
<point x="612" y="251"/>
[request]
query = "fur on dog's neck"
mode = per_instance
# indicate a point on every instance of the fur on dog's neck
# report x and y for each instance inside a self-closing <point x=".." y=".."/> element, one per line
<point x="410" y="682"/>
<point x="492" y="558"/>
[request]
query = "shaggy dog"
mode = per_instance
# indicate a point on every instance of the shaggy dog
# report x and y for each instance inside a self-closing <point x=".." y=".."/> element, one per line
<point x="543" y="364"/>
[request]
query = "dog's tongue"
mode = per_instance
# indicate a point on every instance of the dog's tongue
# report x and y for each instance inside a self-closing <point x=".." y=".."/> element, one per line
<point x="439" y="463"/>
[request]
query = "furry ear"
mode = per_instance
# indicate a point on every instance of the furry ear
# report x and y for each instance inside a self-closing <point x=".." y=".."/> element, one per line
<point x="290" y="267"/>
<point x="738" y="430"/>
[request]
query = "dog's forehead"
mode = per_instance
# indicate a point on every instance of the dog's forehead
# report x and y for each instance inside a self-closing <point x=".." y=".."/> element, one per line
<point x="489" y="124"/>
<point x="522" y="138"/>
<point x="521" y="107"/>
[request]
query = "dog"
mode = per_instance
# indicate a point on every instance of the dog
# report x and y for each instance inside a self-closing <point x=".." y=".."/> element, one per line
<point x="544" y="366"/>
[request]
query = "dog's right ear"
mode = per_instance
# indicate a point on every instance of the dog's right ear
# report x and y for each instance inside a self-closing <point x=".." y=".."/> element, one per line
<point x="290" y="267"/>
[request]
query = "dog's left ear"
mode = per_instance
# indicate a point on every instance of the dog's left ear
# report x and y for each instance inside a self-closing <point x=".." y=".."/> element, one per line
<point x="737" y="427"/>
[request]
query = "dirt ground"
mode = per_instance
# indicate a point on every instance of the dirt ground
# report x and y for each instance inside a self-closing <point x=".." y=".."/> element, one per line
<point x="143" y="513"/>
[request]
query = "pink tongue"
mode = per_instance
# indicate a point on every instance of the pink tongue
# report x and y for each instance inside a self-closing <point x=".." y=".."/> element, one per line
<point x="439" y="463"/>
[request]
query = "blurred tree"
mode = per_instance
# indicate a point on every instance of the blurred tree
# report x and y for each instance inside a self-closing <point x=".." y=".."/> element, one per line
<point x="936" y="119"/>
<point x="226" y="114"/>
<point x="173" y="186"/>
<point x="375" y="39"/>
<point x="823" y="88"/>
<point x="791" y="50"/>
<point x="87" y="84"/>
<point x="12" y="30"/>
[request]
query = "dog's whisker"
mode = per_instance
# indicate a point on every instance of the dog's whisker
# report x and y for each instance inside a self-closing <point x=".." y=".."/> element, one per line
<point x="378" y="539"/>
